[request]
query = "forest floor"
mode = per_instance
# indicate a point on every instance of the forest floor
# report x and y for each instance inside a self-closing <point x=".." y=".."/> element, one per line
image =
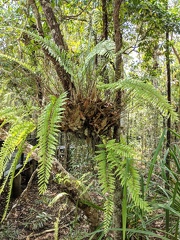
<point x="30" y="217"/>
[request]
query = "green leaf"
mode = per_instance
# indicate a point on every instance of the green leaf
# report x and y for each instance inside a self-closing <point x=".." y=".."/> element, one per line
<point x="48" y="128"/>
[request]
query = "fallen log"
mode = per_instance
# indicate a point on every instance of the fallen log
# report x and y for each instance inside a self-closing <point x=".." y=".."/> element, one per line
<point x="75" y="191"/>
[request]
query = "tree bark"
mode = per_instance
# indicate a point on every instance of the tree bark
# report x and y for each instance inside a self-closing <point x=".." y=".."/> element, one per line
<point x="117" y="216"/>
<point x="64" y="76"/>
<point x="176" y="54"/>
<point x="118" y="47"/>
<point x="168" y="143"/>
<point x="105" y="37"/>
<point x="105" y="20"/>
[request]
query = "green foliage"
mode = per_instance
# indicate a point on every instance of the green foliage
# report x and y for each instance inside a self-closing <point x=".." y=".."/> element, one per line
<point x="9" y="115"/>
<point x="172" y="205"/>
<point x="154" y="13"/>
<point x="21" y="63"/>
<point x="143" y="93"/>
<point x="59" y="54"/>
<point x="146" y="234"/>
<point x="48" y="129"/>
<point x="9" y="232"/>
<point x="17" y="135"/>
<point x="39" y="222"/>
<point x="162" y="194"/>
<point x="116" y="160"/>
<point x="104" y="48"/>
<point x="10" y="176"/>
<point x="146" y="21"/>
<point x="107" y="181"/>
<point x="15" y="140"/>
<point x="154" y="159"/>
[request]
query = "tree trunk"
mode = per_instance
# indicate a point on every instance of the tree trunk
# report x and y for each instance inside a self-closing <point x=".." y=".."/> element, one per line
<point x="64" y="76"/>
<point x="168" y="143"/>
<point x="105" y="20"/>
<point x="105" y="37"/>
<point x="117" y="216"/>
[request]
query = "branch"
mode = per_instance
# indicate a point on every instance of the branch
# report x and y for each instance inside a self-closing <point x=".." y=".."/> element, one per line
<point x="53" y="24"/>
<point x="78" y="14"/>
<point x="118" y="46"/>
<point x="176" y="54"/>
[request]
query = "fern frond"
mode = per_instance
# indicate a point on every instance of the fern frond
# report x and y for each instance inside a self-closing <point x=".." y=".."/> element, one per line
<point x="15" y="140"/>
<point x="59" y="54"/>
<point x="115" y="160"/>
<point x="48" y="129"/>
<point x="143" y="93"/>
<point x="120" y="156"/>
<point x="108" y="212"/>
<point x="22" y="64"/>
<point x="17" y="134"/>
<point x="9" y="158"/>
<point x="130" y="178"/>
<point x="119" y="149"/>
<point x="107" y="181"/>
<point x="11" y="115"/>
<point x="104" y="48"/>
<point x="11" y="176"/>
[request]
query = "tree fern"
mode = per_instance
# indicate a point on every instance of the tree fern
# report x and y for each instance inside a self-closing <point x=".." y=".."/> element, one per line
<point x="48" y="129"/>
<point x="143" y="93"/>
